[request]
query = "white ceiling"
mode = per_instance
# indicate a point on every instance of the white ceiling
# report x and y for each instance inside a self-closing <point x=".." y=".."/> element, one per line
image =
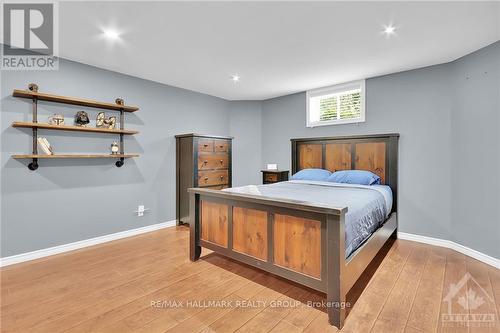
<point x="277" y="48"/>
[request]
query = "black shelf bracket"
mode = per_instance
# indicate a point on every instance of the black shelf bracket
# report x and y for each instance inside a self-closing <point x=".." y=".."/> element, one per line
<point x="34" y="164"/>
<point x="120" y="101"/>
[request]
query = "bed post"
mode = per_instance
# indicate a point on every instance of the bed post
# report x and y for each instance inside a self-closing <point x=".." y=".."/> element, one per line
<point x="194" y="227"/>
<point x="335" y="255"/>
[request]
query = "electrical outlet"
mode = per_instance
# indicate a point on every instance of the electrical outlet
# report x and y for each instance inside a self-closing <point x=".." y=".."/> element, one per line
<point x="140" y="210"/>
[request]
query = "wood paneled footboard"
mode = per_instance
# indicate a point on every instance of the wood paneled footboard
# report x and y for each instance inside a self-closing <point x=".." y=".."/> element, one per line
<point x="300" y="241"/>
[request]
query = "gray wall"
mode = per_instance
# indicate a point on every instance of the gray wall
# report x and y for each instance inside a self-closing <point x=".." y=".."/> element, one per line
<point x="448" y="163"/>
<point x="245" y="125"/>
<point x="414" y="104"/>
<point x="476" y="151"/>
<point x="67" y="201"/>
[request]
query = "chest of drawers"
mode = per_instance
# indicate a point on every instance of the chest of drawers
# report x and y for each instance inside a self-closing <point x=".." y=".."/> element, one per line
<point x="201" y="161"/>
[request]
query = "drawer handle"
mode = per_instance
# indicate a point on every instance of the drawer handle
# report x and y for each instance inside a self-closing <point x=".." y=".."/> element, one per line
<point x="221" y="177"/>
<point x="221" y="161"/>
<point x="205" y="145"/>
<point x="221" y="146"/>
<point x="205" y="162"/>
<point x="206" y="179"/>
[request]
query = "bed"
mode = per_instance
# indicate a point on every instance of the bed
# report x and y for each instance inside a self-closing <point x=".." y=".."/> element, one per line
<point x="319" y="234"/>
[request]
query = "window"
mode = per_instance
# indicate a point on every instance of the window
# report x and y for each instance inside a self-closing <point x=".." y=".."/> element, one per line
<point x="339" y="104"/>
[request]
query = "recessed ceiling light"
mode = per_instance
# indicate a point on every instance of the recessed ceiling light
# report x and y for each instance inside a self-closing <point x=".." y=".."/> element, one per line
<point x="389" y="30"/>
<point x="111" y="34"/>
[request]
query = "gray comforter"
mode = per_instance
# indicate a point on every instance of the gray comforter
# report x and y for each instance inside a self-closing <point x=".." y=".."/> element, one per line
<point x="368" y="206"/>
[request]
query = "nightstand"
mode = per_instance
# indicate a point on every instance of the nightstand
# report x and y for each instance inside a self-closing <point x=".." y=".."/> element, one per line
<point x="274" y="176"/>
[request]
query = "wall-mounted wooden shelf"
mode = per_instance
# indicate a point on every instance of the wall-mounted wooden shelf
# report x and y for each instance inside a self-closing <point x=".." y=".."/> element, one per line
<point x="71" y="128"/>
<point x="72" y="100"/>
<point x="35" y="96"/>
<point x="76" y="156"/>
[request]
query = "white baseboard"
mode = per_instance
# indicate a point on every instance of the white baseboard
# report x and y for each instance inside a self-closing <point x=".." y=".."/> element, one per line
<point x="18" y="258"/>
<point x="452" y="245"/>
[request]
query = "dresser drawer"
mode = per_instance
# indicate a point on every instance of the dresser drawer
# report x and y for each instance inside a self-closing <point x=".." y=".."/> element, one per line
<point x="212" y="178"/>
<point x="221" y="146"/>
<point x="205" y="145"/>
<point x="274" y="176"/>
<point x="271" y="177"/>
<point x="212" y="161"/>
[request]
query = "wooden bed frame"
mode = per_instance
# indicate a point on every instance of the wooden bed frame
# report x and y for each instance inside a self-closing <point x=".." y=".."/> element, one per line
<point x="300" y="241"/>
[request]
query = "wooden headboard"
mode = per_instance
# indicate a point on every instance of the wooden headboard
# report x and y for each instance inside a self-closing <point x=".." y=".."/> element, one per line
<point x="376" y="153"/>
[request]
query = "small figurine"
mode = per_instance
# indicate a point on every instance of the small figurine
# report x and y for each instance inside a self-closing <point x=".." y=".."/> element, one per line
<point x="99" y="122"/>
<point x="81" y="119"/>
<point x="33" y="87"/>
<point x="114" y="148"/>
<point x="56" y="119"/>
<point x="102" y="121"/>
<point x="110" y="122"/>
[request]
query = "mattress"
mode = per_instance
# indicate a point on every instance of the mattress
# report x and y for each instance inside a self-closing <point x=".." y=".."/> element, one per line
<point x="368" y="206"/>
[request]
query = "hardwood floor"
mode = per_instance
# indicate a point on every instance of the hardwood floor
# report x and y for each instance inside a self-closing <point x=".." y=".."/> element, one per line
<point x="146" y="283"/>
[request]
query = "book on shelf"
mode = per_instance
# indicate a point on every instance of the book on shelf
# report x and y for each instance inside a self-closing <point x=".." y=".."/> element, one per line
<point x="48" y="145"/>
<point x="45" y="145"/>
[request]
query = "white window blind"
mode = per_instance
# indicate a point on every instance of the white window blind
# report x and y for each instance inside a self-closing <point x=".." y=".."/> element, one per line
<point x="339" y="104"/>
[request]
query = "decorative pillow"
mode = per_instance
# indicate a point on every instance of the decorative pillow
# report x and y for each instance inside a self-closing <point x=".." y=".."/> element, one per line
<point x="312" y="174"/>
<point x="361" y="177"/>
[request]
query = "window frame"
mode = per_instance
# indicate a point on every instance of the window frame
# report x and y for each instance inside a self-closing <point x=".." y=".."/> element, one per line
<point x="359" y="84"/>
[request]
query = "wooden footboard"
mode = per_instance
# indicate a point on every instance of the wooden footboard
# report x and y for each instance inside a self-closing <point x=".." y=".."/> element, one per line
<point x="300" y="241"/>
